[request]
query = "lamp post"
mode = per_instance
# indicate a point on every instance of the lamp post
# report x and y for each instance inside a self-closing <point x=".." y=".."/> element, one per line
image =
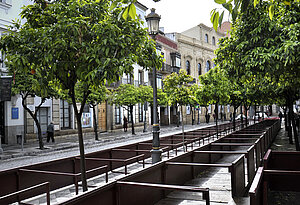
<point x="153" y="28"/>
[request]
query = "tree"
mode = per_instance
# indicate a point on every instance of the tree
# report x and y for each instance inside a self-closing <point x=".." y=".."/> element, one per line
<point x="216" y="85"/>
<point x="28" y="83"/>
<point x="83" y="42"/>
<point x="177" y="87"/>
<point x="237" y="7"/>
<point x="127" y="96"/>
<point x="263" y="53"/>
<point x="99" y="94"/>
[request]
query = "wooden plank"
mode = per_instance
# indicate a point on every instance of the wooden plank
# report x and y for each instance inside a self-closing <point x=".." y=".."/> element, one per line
<point x="199" y="164"/>
<point x="231" y="144"/>
<point x="222" y="152"/>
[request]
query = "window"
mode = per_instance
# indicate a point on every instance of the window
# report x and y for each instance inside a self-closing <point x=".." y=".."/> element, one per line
<point x="129" y="78"/>
<point x="43" y="118"/>
<point x="141" y="77"/>
<point x="117" y="114"/>
<point x="188" y="67"/>
<point x="65" y="115"/>
<point x="175" y="60"/>
<point x="207" y="66"/>
<point x="199" y="69"/>
<point x="206" y="38"/>
<point x="141" y="112"/>
<point x="213" y="41"/>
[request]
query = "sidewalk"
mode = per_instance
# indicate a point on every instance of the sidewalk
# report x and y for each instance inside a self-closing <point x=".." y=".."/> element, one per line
<point x="65" y="142"/>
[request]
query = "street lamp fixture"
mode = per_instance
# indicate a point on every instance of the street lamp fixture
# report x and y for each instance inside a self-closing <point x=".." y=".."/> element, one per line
<point x="153" y="22"/>
<point x="153" y="28"/>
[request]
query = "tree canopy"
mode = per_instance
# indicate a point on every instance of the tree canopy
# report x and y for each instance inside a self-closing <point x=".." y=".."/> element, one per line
<point x="85" y="42"/>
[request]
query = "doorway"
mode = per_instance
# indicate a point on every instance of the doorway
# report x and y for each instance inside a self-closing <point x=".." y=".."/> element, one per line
<point x="43" y="119"/>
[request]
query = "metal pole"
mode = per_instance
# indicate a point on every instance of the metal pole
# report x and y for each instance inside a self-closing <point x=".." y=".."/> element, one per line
<point x="156" y="150"/>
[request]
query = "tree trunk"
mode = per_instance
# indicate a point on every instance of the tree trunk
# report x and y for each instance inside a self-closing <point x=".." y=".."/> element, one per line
<point x="242" y="119"/>
<point x="81" y="150"/>
<point x="217" y="110"/>
<point x="182" y="126"/>
<point x="178" y="115"/>
<point x="289" y="118"/>
<point x="293" y="123"/>
<point x="192" y="116"/>
<point x="246" y="114"/>
<point x="198" y="122"/>
<point x="95" y="123"/>
<point x="40" y="137"/>
<point x="80" y="140"/>
<point x="234" y="114"/>
<point x="285" y="120"/>
<point x="34" y="117"/>
<point x="254" y="113"/>
<point x="131" y="116"/>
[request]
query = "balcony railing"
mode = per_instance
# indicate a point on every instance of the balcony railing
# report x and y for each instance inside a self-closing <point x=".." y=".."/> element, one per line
<point x="166" y="68"/>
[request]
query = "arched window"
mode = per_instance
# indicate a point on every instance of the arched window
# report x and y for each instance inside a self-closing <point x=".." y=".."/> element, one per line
<point x="213" y="41"/>
<point x="207" y="66"/>
<point x="206" y="38"/>
<point x="188" y="67"/>
<point x="199" y="69"/>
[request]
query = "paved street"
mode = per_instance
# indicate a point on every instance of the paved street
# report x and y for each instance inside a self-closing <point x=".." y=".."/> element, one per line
<point x="217" y="179"/>
<point x="66" y="146"/>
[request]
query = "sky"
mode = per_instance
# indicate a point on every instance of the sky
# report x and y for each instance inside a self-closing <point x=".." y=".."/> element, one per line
<point x="180" y="15"/>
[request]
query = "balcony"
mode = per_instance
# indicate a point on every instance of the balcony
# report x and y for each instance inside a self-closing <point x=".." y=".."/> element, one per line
<point x="118" y="83"/>
<point x="168" y="69"/>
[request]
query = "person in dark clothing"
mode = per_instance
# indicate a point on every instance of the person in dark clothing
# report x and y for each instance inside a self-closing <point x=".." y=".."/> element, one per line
<point x="280" y="115"/>
<point x="125" y="124"/>
<point x="50" y="132"/>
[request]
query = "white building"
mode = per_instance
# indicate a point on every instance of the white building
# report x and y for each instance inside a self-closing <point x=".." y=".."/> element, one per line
<point x="11" y="112"/>
<point x="14" y="120"/>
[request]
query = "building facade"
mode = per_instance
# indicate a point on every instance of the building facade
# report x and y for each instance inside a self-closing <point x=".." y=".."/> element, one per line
<point x="196" y="46"/>
<point x="14" y="120"/>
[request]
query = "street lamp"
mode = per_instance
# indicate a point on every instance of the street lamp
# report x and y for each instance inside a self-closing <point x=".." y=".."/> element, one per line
<point x="153" y="28"/>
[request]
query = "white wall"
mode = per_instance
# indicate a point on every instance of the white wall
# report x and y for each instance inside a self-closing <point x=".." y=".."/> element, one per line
<point x="16" y="102"/>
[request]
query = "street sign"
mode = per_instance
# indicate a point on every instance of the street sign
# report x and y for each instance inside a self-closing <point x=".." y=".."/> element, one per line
<point x="5" y="88"/>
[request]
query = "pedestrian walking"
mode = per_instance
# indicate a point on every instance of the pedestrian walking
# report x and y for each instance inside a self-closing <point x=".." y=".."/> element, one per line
<point x="50" y="132"/>
<point x="125" y="123"/>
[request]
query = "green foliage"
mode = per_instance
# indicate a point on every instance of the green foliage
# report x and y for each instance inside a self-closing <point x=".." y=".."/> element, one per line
<point x="214" y="87"/>
<point x="145" y="94"/>
<point x="177" y="87"/>
<point x="79" y="41"/>
<point x="241" y="6"/>
<point x="260" y="57"/>
<point x="125" y="95"/>
<point x="71" y="42"/>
